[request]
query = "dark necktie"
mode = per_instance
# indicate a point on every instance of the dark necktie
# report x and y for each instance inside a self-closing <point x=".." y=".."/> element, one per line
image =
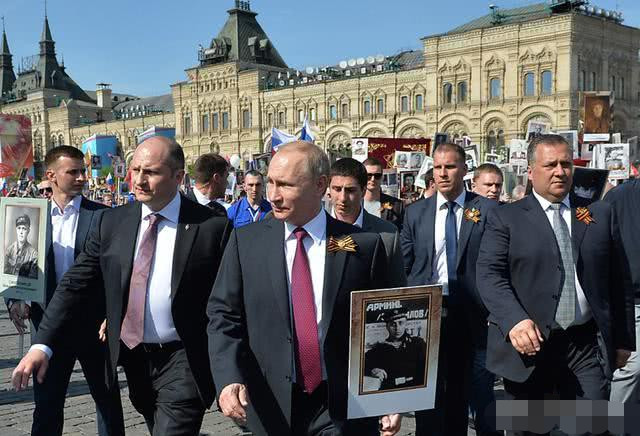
<point x="132" y="330"/>
<point x="451" y="243"/>
<point x="309" y="373"/>
<point x="566" y="311"/>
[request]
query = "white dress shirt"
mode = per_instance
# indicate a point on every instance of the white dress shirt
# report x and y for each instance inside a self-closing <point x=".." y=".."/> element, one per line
<point x="373" y="207"/>
<point x="158" y="321"/>
<point x="439" y="266"/>
<point x="202" y="199"/>
<point x="64" y="225"/>
<point x="585" y="311"/>
<point x="316" y="248"/>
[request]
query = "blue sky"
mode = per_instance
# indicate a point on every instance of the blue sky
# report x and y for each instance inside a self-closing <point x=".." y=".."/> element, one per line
<point x="142" y="46"/>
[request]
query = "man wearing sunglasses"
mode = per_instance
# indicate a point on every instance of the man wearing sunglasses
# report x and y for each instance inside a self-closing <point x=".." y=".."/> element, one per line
<point x="376" y="202"/>
<point x="45" y="190"/>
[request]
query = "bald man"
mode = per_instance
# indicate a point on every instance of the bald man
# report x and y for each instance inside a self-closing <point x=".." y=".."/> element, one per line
<point x="157" y="259"/>
<point x="279" y="310"/>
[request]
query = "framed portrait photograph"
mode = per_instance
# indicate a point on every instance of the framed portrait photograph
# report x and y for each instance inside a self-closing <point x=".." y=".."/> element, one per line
<point x="402" y="159"/>
<point x="360" y="149"/>
<point x="536" y="128"/>
<point x="440" y="138"/>
<point x="492" y="158"/>
<point x="415" y="160"/>
<point x="597" y="117"/>
<point x="615" y="159"/>
<point x="407" y="183"/>
<point x="589" y="183"/>
<point x="23" y="241"/>
<point x="427" y="164"/>
<point x="393" y="353"/>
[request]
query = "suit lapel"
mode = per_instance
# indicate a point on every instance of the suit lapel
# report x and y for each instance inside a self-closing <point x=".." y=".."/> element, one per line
<point x="538" y="220"/>
<point x="276" y="265"/>
<point x="578" y="229"/>
<point x="185" y="236"/>
<point x="84" y="223"/>
<point x="50" y="269"/>
<point x="466" y="227"/>
<point x="333" y="271"/>
<point x="127" y="245"/>
<point x="430" y="226"/>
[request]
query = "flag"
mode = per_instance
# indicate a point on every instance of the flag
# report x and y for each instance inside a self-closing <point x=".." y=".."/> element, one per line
<point x="278" y="137"/>
<point x="306" y="134"/>
<point x="109" y="181"/>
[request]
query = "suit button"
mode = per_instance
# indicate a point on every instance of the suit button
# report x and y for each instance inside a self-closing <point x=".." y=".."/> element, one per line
<point x="288" y="378"/>
<point x="289" y="339"/>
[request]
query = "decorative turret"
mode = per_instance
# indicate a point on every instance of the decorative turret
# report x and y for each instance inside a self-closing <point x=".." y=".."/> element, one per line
<point x="7" y="76"/>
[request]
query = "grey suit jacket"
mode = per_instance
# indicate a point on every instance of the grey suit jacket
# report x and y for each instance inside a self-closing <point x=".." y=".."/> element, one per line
<point x="391" y="241"/>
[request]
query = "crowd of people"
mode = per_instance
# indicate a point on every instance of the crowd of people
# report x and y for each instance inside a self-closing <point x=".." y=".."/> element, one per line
<point x="245" y="307"/>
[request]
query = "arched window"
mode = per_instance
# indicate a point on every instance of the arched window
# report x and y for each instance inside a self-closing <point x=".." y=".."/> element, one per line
<point x="60" y="140"/>
<point x="367" y="107"/>
<point x="547" y="83"/>
<point x="380" y="107"/>
<point x="529" y="84"/>
<point x="419" y="102"/>
<point x="582" y="80"/>
<point x="246" y="119"/>
<point x="491" y="141"/>
<point x="447" y="93"/>
<point x="404" y="103"/>
<point x="495" y="88"/>
<point x="333" y="112"/>
<point x="462" y="92"/>
<point x="500" y="138"/>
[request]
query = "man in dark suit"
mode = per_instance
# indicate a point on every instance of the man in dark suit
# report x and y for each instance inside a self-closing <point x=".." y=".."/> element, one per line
<point x="157" y="260"/>
<point x="553" y="278"/>
<point x="72" y="217"/>
<point x="279" y="310"/>
<point x="376" y="202"/>
<point x="347" y="186"/>
<point x="440" y="240"/>
<point x="625" y="201"/>
<point x="210" y="174"/>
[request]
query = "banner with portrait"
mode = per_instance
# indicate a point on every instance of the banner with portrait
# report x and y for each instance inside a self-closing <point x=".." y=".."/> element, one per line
<point x="384" y="149"/>
<point x="597" y="117"/>
<point x="16" y="150"/>
<point x="393" y="351"/>
<point x="615" y="159"/>
<point x="23" y="241"/>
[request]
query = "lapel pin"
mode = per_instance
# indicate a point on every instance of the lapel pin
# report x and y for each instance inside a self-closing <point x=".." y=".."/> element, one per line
<point x="186" y="227"/>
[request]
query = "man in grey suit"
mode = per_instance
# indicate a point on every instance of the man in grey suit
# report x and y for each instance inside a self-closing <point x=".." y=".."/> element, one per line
<point x="347" y="187"/>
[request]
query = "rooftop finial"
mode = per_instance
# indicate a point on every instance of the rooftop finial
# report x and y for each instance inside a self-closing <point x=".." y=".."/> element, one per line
<point x="243" y="5"/>
<point x="45" y="8"/>
<point x="3" y="24"/>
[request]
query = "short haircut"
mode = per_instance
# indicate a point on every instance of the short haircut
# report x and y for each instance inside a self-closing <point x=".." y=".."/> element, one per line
<point x="55" y="153"/>
<point x="428" y="178"/>
<point x="372" y="161"/>
<point x="253" y="173"/>
<point x="176" y="155"/>
<point x="207" y="165"/>
<point x="487" y="168"/>
<point x="550" y="139"/>
<point x="448" y="146"/>
<point x="349" y="167"/>
<point x="317" y="160"/>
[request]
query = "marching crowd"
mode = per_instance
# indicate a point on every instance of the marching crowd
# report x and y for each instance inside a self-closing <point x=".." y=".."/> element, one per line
<point x="245" y="307"/>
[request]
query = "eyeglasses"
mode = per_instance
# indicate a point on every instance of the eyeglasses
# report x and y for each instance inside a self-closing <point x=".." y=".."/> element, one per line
<point x="47" y="190"/>
<point x="376" y="176"/>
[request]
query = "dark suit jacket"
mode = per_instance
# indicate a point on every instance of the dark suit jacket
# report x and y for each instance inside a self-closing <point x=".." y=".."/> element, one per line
<point x="391" y="240"/>
<point x="394" y="215"/>
<point x="625" y="200"/>
<point x="216" y="207"/>
<point x="417" y="240"/>
<point x="520" y="277"/>
<point x="250" y="328"/>
<point x="108" y="259"/>
<point x="87" y="219"/>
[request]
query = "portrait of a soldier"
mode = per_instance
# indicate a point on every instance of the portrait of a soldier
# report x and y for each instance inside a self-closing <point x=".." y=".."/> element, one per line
<point x="20" y="258"/>
<point x="399" y="361"/>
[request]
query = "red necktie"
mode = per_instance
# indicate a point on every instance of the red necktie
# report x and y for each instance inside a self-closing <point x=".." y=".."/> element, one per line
<point x="133" y="324"/>
<point x="309" y="374"/>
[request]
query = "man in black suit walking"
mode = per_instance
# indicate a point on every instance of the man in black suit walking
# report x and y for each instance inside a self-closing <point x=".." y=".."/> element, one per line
<point x="279" y="310"/>
<point x="553" y="277"/>
<point x="440" y="240"/>
<point x="625" y="201"/>
<point x="210" y="173"/>
<point x="157" y="260"/>
<point x="72" y="218"/>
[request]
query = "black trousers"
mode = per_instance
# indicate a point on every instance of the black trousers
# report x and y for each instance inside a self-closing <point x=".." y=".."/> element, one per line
<point x="568" y="367"/>
<point x="162" y="389"/>
<point x="49" y="396"/>
<point x="310" y="417"/>
<point x="450" y="417"/>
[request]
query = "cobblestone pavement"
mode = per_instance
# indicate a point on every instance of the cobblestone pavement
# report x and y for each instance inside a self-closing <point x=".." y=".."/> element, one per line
<point x="16" y="408"/>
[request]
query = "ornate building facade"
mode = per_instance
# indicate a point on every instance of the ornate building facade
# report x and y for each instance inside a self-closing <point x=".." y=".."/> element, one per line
<point x="486" y="79"/>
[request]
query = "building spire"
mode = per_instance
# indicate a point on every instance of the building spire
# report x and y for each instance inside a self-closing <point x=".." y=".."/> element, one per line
<point x="4" y="49"/>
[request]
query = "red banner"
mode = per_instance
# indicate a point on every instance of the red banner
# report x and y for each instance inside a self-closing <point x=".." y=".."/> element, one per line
<point x="384" y="149"/>
<point x="15" y="144"/>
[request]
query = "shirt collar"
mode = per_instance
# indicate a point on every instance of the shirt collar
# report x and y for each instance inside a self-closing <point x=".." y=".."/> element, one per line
<point x="74" y="204"/>
<point x="546" y="203"/>
<point x="358" y="222"/>
<point x="200" y="197"/>
<point x="316" y="228"/>
<point x="170" y="212"/>
<point x="440" y="200"/>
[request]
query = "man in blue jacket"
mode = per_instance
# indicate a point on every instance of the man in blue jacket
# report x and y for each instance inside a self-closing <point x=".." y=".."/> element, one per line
<point x="253" y="207"/>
